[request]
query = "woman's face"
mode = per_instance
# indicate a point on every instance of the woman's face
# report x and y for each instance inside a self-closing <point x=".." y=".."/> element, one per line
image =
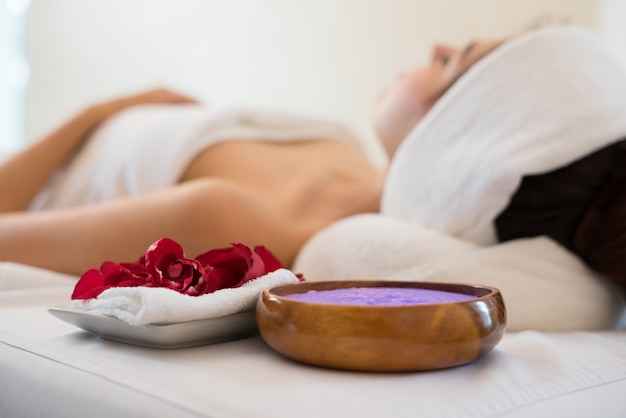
<point x="404" y="103"/>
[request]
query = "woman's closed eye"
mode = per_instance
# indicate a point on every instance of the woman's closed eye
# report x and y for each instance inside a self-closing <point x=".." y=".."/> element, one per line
<point x="442" y="55"/>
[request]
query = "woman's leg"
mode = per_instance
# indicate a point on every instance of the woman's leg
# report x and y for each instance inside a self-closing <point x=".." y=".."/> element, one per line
<point x="201" y="215"/>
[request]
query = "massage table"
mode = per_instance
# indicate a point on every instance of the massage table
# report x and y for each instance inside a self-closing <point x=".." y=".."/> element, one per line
<point x="51" y="368"/>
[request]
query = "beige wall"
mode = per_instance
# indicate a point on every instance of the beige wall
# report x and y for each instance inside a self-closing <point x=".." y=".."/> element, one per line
<point x="329" y="57"/>
<point x="611" y="23"/>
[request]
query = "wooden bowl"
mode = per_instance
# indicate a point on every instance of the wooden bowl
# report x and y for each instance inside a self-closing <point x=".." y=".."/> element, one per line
<point x="381" y="338"/>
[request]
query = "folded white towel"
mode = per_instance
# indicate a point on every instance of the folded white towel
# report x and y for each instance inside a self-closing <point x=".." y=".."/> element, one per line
<point x="150" y="305"/>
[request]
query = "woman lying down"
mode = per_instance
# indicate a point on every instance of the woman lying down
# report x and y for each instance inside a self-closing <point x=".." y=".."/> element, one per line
<point x="499" y="141"/>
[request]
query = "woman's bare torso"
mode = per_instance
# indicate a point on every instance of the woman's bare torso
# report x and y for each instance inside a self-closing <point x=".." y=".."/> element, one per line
<point x="310" y="183"/>
<point x="286" y="192"/>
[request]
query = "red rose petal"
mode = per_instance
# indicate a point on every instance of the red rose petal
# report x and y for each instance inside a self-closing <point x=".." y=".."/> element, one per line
<point x="165" y="265"/>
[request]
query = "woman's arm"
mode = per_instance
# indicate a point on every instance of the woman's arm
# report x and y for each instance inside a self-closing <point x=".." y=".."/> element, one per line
<point x="23" y="176"/>
<point x="200" y="215"/>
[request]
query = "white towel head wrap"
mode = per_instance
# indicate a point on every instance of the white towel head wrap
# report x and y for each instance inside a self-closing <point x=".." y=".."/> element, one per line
<point x="536" y="103"/>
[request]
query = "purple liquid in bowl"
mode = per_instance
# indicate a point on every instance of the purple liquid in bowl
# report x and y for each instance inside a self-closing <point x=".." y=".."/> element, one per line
<point x="380" y="296"/>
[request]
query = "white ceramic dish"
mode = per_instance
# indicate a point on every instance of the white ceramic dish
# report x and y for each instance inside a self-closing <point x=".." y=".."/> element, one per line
<point x="184" y="334"/>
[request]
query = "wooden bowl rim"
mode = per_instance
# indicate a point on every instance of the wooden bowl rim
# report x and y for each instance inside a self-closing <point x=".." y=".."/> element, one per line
<point x="305" y="286"/>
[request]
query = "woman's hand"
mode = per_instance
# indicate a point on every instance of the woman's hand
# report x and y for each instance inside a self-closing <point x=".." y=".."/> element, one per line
<point x="155" y="96"/>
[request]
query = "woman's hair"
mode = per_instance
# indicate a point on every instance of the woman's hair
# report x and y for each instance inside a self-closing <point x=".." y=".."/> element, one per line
<point x="582" y="206"/>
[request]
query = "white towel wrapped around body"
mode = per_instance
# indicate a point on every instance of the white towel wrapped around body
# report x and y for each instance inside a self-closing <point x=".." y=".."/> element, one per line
<point x="156" y="305"/>
<point x="535" y="104"/>
<point x="147" y="148"/>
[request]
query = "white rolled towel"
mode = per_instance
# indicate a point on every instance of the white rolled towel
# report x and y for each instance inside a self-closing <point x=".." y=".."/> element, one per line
<point x="156" y="305"/>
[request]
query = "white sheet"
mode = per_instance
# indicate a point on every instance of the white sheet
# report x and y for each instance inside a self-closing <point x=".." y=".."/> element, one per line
<point x="71" y="373"/>
<point x="20" y="276"/>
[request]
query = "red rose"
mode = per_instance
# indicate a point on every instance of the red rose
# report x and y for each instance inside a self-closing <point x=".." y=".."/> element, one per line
<point x="232" y="267"/>
<point x="168" y="266"/>
<point x="165" y="265"/>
